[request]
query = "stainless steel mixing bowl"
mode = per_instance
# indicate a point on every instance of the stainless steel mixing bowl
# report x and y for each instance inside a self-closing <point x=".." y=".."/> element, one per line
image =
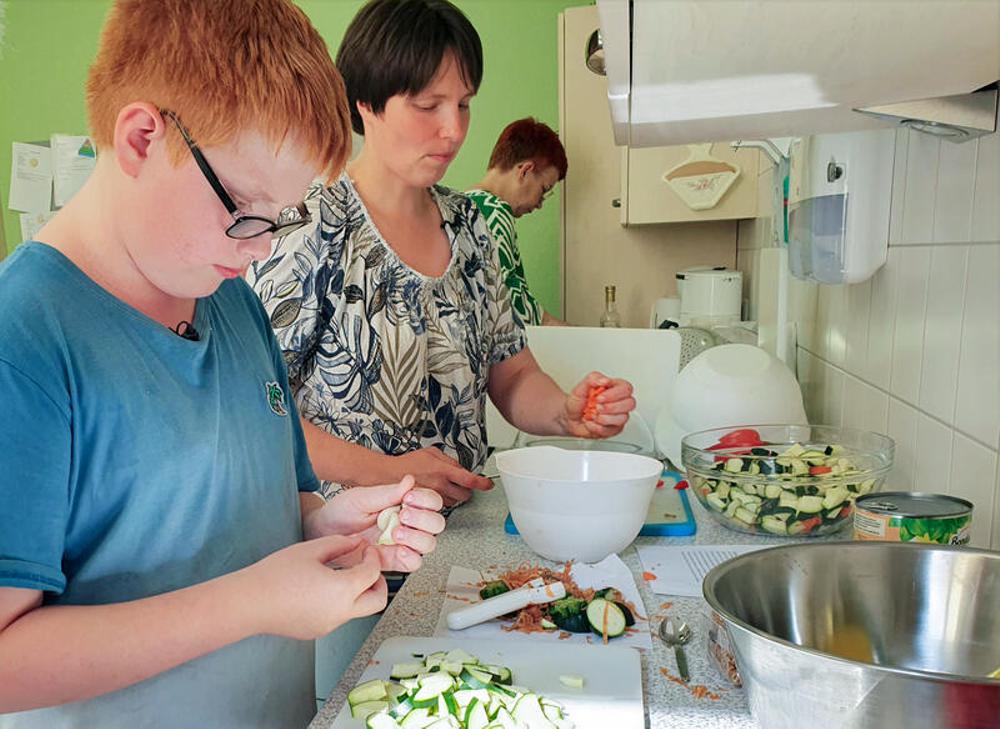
<point x="864" y="635"/>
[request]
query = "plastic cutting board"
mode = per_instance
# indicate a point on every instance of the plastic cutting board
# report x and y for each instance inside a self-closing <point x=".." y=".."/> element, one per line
<point x="612" y="678"/>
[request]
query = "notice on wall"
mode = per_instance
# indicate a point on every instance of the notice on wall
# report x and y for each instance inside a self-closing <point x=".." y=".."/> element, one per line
<point x="30" y="178"/>
<point x="73" y="159"/>
<point x="31" y="223"/>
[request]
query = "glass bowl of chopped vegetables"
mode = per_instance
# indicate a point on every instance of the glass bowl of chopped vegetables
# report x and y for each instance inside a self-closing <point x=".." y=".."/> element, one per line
<point x="785" y="480"/>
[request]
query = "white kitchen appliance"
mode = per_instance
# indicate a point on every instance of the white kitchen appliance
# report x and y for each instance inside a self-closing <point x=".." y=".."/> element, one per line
<point x="665" y="314"/>
<point x="710" y="296"/>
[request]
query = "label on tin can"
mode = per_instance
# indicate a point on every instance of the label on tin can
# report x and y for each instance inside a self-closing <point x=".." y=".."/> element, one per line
<point x="927" y="518"/>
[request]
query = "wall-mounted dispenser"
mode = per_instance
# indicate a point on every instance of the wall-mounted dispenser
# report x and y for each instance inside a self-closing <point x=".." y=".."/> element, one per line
<point x="840" y="187"/>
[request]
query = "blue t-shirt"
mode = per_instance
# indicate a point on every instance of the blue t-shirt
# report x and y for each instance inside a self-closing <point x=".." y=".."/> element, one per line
<point x="134" y="462"/>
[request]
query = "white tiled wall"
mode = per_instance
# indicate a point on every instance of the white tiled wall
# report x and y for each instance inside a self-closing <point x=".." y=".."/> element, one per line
<point x="915" y="351"/>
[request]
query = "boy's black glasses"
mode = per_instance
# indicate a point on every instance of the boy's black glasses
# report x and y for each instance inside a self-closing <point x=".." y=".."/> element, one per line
<point x="244" y="226"/>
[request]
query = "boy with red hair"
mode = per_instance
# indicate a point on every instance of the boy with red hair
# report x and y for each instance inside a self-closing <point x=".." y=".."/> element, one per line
<point x="155" y="489"/>
<point x="527" y="162"/>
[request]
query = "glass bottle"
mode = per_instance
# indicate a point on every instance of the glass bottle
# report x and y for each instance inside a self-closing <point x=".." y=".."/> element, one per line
<point x="610" y="317"/>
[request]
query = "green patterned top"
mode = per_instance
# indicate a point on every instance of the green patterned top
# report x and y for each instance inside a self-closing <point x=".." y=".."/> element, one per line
<point x="500" y="220"/>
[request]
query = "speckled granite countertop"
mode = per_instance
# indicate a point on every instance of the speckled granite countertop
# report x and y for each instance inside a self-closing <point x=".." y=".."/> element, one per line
<point x="475" y="538"/>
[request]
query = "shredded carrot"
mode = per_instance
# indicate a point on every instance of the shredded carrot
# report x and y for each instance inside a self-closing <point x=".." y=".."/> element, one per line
<point x="529" y="619"/>
<point x="604" y="623"/>
<point x="590" y="409"/>
<point x="666" y="605"/>
<point x="697" y="690"/>
<point x="648" y="576"/>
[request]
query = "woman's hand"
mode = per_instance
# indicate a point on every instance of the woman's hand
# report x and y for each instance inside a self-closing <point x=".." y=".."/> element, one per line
<point x="304" y="592"/>
<point x="434" y="470"/>
<point x="598" y="407"/>
<point x="354" y="512"/>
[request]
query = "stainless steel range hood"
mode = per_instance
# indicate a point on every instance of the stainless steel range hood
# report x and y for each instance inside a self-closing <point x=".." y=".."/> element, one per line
<point x="955" y="118"/>
<point x="682" y="71"/>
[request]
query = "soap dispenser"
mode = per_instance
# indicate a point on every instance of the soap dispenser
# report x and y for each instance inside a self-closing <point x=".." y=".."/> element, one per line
<point x="840" y="188"/>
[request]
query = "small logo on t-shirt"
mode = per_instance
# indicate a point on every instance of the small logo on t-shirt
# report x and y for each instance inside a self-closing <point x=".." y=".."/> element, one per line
<point x="275" y="398"/>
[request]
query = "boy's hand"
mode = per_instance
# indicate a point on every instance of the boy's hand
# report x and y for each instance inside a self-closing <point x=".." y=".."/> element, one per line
<point x="301" y="592"/>
<point x="598" y="407"/>
<point x="354" y="512"/>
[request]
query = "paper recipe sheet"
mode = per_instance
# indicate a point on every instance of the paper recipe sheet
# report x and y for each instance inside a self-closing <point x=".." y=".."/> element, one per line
<point x="462" y="590"/>
<point x="680" y="570"/>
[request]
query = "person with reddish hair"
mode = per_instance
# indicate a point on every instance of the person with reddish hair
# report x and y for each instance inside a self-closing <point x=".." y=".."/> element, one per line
<point x="164" y="560"/>
<point x="527" y="162"/>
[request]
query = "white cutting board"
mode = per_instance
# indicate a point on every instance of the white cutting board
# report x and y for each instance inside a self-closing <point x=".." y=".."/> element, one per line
<point x="612" y="690"/>
<point x="648" y="358"/>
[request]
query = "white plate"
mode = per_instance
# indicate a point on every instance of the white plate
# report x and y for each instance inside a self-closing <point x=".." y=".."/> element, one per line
<point x="612" y="690"/>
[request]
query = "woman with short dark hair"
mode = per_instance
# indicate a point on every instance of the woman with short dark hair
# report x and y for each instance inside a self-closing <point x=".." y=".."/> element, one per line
<point x="391" y="307"/>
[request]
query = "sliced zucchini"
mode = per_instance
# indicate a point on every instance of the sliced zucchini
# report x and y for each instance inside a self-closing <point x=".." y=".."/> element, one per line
<point x="417" y="719"/>
<point x="571" y="681"/>
<point x="794" y="451"/>
<point x="367" y="708"/>
<point x="476" y="679"/>
<point x="476" y="716"/>
<point x="381" y="721"/>
<point x="788" y="500"/>
<point x="431" y="687"/>
<point x="528" y="711"/>
<point x="772" y="491"/>
<point x="716" y="502"/>
<point x="406" y="670"/>
<point x="835" y="497"/>
<point x="774" y="525"/>
<point x="605" y="618"/>
<point x="373" y="690"/>
<point x="629" y="617"/>
<point x="810" y="504"/>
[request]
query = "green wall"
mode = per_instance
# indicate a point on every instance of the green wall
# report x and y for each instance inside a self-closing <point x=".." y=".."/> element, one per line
<point x="49" y="45"/>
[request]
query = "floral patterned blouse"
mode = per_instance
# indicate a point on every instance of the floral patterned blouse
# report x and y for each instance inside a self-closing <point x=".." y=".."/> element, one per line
<point x="377" y="353"/>
<point x="500" y="221"/>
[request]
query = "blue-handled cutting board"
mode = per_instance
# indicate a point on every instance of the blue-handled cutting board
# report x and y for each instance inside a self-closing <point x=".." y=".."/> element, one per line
<point x="669" y="513"/>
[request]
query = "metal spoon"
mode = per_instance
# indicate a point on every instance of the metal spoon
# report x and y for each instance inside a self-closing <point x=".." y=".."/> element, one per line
<point x="677" y="638"/>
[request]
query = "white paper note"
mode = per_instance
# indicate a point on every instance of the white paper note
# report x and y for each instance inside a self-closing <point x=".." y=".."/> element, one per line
<point x="30" y="178"/>
<point x="680" y="570"/>
<point x="463" y="589"/>
<point x="31" y="223"/>
<point x="73" y="159"/>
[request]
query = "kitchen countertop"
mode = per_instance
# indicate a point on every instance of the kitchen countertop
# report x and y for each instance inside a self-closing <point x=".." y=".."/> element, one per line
<point x="475" y="538"/>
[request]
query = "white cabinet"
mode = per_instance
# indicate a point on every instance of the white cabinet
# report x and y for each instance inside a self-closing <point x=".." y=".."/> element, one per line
<point x="648" y="197"/>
